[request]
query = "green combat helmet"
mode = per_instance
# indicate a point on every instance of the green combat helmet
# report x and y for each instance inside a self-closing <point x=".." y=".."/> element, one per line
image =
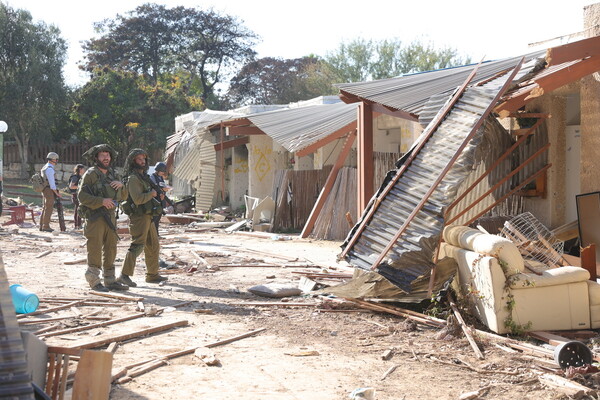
<point x="90" y="155"/>
<point x="130" y="166"/>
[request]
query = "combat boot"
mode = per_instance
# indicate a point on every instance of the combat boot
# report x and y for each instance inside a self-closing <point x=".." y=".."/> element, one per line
<point x="126" y="280"/>
<point x="155" y="278"/>
<point x="100" y="288"/>
<point x="116" y="285"/>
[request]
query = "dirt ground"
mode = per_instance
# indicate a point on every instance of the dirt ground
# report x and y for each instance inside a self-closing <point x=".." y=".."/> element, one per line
<point x="304" y="352"/>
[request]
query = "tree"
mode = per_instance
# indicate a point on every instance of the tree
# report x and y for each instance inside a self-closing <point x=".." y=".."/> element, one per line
<point x="122" y="109"/>
<point x="153" y="41"/>
<point x="272" y="80"/>
<point x="139" y="43"/>
<point x="362" y="60"/>
<point x="32" y="90"/>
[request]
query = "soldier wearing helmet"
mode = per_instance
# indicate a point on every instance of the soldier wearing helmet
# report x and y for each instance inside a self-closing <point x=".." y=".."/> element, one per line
<point x="49" y="192"/>
<point x="99" y="192"/>
<point x="141" y="206"/>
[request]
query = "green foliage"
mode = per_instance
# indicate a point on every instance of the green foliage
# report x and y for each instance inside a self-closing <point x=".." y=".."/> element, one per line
<point x="362" y="60"/>
<point x="280" y="81"/>
<point x="123" y="110"/>
<point x="509" y="322"/>
<point x="32" y="90"/>
<point x="154" y="41"/>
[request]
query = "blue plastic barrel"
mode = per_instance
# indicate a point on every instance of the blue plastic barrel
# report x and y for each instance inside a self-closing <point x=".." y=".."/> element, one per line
<point x="24" y="301"/>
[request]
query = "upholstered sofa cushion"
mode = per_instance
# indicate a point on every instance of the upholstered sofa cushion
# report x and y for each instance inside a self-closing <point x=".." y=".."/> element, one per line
<point x="484" y="243"/>
<point x="550" y="277"/>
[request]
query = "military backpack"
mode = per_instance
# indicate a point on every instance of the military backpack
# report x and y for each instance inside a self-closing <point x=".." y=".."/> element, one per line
<point x="38" y="182"/>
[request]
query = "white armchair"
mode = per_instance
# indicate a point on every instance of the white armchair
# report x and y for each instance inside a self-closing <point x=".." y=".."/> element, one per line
<point x="504" y="295"/>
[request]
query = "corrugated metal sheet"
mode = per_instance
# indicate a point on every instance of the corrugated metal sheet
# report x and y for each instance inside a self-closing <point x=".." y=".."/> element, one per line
<point x="410" y="93"/>
<point x="295" y="129"/>
<point x="198" y="167"/>
<point x="410" y="258"/>
<point x="172" y="142"/>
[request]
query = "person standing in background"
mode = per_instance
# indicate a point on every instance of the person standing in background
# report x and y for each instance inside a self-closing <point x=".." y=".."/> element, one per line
<point x="49" y="192"/>
<point x="73" y="186"/>
<point x="99" y="192"/>
<point x="141" y="206"/>
<point x="158" y="178"/>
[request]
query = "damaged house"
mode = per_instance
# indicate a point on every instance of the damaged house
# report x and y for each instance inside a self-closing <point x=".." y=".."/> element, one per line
<point x="286" y="153"/>
<point x="520" y="142"/>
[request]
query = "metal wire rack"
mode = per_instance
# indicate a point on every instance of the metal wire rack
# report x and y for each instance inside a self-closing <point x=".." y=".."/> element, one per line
<point x="533" y="239"/>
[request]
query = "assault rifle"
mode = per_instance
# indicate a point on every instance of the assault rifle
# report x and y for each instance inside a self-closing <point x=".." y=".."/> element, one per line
<point x="159" y="191"/>
<point x="59" y="210"/>
<point x="101" y="212"/>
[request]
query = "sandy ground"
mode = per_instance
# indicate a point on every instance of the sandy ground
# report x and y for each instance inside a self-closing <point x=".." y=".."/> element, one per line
<point x="302" y="353"/>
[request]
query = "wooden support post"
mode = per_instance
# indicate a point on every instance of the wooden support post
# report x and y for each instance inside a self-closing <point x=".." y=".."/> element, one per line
<point x="314" y="214"/>
<point x="365" y="156"/>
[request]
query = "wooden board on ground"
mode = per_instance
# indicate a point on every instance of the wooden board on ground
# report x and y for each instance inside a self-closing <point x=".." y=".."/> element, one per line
<point x="93" y="375"/>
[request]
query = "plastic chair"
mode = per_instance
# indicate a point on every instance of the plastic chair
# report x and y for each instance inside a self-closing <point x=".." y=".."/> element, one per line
<point x="17" y="215"/>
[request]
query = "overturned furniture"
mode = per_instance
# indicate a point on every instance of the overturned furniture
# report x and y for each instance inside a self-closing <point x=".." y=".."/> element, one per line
<point x="506" y="296"/>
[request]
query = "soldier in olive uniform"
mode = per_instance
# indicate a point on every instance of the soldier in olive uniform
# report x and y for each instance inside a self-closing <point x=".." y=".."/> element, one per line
<point x="141" y="206"/>
<point x="99" y="192"/>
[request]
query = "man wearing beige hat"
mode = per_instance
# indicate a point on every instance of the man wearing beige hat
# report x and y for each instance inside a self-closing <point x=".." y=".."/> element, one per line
<point x="49" y="191"/>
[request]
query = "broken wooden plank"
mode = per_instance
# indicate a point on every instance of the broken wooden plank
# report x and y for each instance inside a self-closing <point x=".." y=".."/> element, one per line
<point x="117" y="296"/>
<point x="188" y="351"/>
<point x="465" y="329"/>
<point x="386" y="355"/>
<point x="49" y="310"/>
<point x="273" y="303"/>
<point x="45" y="253"/>
<point x="143" y="369"/>
<point x="548" y="337"/>
<point x="75" y="261"/>
<point x="92" y="378"/>
<point x="389" y="371"/>
<point x="422" y="318"/>
<point x="565" y="386"/>
<point x="271" y="255"/>
<point x="131" y="335"/>
<point x="112" y="348"/>
<point x="201" y="259"/>
<point x="567" y="231"/>
<point x="588" y="261"/>
<point x="92" y="326"/>
<point x="45" y="321"/>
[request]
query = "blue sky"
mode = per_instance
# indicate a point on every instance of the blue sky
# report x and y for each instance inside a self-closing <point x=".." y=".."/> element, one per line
<point x="294" y="29"/>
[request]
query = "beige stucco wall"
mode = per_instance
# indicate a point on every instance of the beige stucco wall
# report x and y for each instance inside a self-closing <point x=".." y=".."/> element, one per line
<point x="390" y="135"/>
<point x="264" y="158"/>
<point x="590" y="113"/>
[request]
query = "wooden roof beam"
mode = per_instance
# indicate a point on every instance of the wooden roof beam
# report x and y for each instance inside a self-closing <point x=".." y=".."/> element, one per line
<point x="232" y="143"/>
<point x="243" y="130"/>
<point x="348" y="98"/>
<point x="548" y="83"/>
<point x="236" y="122"/>
<point x="381" y="109"/>
<point x="568" y="74"/>
<point x="330" y="138"/>
<point x="573" y="51"/>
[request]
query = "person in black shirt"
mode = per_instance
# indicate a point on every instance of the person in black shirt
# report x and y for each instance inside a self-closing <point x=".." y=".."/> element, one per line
<point x="73" y="185"/>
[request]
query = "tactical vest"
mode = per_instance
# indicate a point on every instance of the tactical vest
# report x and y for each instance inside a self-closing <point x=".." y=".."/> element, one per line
<point x="152" y="207"/>
<point x="100" y="188"/>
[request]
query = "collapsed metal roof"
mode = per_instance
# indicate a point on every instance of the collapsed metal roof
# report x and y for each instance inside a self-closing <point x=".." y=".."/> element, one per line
<point x="414" y="205"/>
<point x="410" y="93"/>
<point x="298" y="128"/>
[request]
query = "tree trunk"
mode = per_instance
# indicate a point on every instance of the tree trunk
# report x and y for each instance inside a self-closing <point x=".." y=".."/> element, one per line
<point x="23" y="146"/>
